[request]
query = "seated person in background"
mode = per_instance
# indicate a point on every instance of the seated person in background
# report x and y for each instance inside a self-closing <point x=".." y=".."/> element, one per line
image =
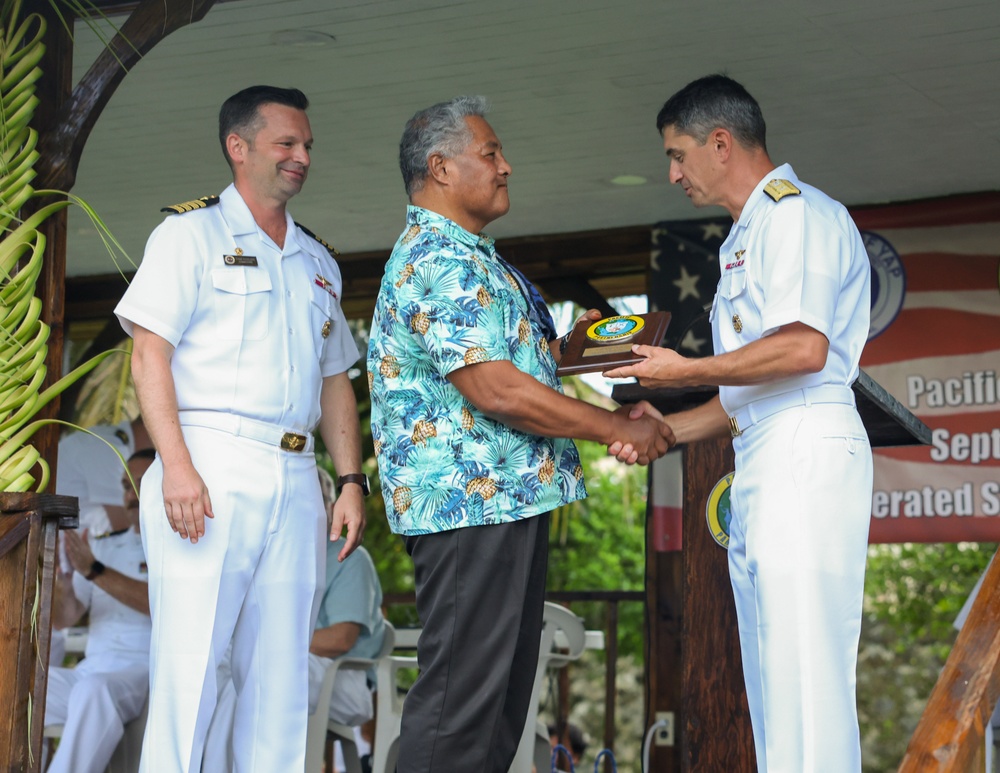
<point x="109" y="687"/>
<point x="89" y="470"/>
<point x="350" y="623"/>
<point x="573" y="739"/>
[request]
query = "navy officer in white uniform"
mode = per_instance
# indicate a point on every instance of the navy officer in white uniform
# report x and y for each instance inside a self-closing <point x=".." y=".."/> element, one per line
<point x="789" y="321"/>
<point x="241" y="350"/>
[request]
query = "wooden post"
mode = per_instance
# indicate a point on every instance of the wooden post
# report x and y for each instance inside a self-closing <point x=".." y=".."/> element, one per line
<point x="664" y="647"/>
<point x="28" y="525"/>
<point x="694" y="662"/>
<point x="950" y="735"/>
<point x="715" y="716"/>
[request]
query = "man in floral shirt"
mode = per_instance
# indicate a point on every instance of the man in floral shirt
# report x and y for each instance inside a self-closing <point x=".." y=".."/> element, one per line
<point x="471" y="429"/>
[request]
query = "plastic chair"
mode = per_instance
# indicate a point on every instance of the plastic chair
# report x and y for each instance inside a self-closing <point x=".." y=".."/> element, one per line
<point x="389" y="712"/>
<point x="320" y="722"/>
<point x="534" y="747"/>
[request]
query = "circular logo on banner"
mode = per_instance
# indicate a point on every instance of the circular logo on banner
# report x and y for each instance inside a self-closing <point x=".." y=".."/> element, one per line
<point x="718" y="512"/>
<point x="615" y="329"/>
<point x="888" y="282"/>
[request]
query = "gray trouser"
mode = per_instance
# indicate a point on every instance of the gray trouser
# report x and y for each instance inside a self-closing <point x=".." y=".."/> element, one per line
<point x="480" y="596"/>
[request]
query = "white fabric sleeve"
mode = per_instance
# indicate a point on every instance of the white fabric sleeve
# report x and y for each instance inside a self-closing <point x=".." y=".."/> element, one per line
<point x="164" y="292"/>
<point x="799" y="273"/>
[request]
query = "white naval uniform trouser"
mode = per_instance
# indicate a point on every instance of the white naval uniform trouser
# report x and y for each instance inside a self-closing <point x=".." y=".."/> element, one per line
<point x="801" y="503"/>
<point x="93" y="702"/>
<point x="251" y="579"/>
<point x="350" y="704"/>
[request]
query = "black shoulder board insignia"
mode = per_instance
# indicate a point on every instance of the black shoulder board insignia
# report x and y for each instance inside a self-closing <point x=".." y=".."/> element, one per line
<point x="777" y="189"/>
<point x="329" y="247"/>
<point x="122" y="435"/>
<point x="188" y="206"/>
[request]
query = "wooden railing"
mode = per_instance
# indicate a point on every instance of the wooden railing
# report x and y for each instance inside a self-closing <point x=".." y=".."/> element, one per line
<point x="951" y="733"/>
<point x="611" y="599"/>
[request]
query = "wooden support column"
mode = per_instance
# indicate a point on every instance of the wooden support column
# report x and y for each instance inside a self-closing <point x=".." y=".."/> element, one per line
<point x="28" y="525"/>
<point x="664" y="647"/>
<point x="694" y="662"/>
<point x="715" y="717"/>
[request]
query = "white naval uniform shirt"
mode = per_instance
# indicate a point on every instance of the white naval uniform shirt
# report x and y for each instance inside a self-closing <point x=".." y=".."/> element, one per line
<point x="248" y="338"/>
<point x="115" y="627"/>
<point x="800" y="259"/>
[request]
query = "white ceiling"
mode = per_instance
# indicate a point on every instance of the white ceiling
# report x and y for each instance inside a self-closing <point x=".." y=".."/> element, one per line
<point x="870" y="100"/>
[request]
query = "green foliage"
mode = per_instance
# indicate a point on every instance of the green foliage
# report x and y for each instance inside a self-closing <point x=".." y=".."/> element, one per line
<point x="912" y="595"/>
<point x="598" y="543"/>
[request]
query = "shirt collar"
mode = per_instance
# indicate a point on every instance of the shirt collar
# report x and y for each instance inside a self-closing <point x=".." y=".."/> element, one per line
<point x="754" y="201"/>
<point x="425" y="218"/>
<point x="240" y="220"/>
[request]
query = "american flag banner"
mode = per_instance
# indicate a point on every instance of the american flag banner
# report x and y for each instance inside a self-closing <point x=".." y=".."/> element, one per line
<point x="934" y="345"/>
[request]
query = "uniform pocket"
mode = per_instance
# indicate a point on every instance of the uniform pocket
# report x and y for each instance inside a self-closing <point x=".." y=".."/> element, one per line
<point x="737" y="284"/>
<point x="242" y="297"/>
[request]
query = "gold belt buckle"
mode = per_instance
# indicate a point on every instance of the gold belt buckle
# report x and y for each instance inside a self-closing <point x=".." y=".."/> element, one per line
<point x="291" y="441"/>
<point x="734" y="427"/>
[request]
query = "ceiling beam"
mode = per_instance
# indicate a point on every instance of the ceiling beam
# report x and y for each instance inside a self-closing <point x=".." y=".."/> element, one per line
<point x="62" y="145"/>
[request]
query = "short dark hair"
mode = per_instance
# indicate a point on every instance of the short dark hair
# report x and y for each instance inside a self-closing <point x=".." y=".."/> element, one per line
<point x="575" y="736"/>
<point x="143" y="453"/>
<point x="713" y="102"/>
<point x="240" y="114"/>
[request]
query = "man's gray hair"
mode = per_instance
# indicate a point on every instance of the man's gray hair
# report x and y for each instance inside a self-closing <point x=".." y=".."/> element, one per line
<point x="440" y="128"/>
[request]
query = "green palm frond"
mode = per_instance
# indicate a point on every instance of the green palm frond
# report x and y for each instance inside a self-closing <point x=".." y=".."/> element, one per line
<point x="23" y="334"/>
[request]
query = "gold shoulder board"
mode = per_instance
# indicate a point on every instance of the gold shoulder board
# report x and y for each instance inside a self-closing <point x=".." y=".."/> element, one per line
<point x="327" y="246"/>
<point x="778" y="189"/>
<point x="188" y="206"/>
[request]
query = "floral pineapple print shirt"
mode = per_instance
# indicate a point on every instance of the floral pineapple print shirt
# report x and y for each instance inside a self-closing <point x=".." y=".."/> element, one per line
<point x="447" y="300"/>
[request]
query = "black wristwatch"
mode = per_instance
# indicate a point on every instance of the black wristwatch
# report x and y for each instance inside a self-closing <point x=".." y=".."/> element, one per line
<point x="96" y="569"/>
<point x="355" y="477"/>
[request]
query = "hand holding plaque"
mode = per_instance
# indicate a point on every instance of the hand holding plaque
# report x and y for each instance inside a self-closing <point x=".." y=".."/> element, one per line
<point x="607" y="343"/>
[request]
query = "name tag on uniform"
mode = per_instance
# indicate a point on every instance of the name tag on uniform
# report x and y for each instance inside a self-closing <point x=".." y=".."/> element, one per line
<point x="239" y="260"/>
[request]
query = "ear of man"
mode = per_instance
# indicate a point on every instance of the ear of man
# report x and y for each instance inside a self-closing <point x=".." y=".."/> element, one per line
<point x="721" y="141"/>
<point x="237" y="147"/>
<point x="437" y="168"/>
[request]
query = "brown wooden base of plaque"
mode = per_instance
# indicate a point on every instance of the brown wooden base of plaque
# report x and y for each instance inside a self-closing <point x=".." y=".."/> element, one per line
<point x="584" y="354"/>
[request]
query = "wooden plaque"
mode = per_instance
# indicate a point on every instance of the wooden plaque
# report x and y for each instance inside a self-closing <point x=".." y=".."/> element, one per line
<point x="607" y="343"/>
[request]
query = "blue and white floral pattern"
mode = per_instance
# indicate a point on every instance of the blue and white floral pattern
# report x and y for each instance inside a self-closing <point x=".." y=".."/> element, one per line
<point x="446" y="301"/>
